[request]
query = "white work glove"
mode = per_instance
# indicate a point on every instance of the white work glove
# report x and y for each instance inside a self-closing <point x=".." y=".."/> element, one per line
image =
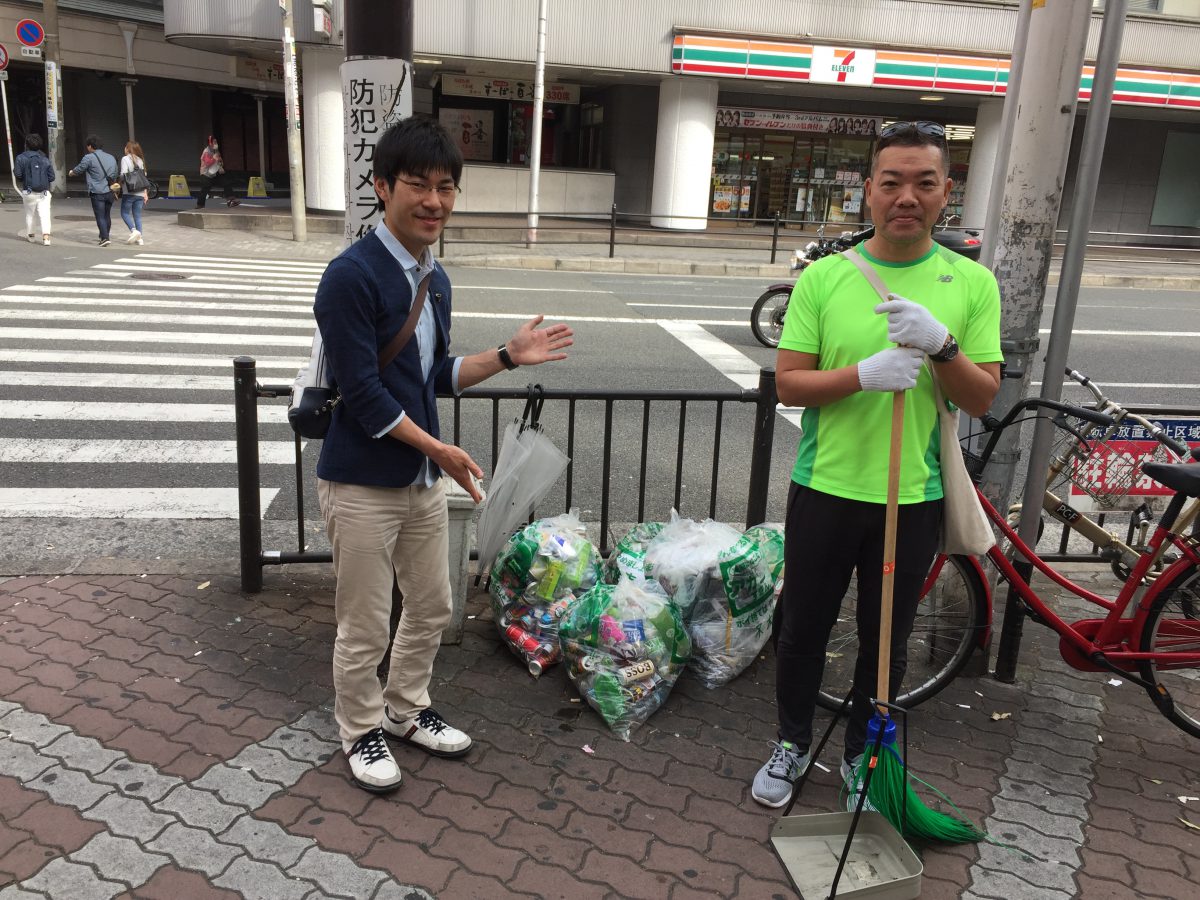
<point x="894" y="369"/>
<point x="912" y="325"/>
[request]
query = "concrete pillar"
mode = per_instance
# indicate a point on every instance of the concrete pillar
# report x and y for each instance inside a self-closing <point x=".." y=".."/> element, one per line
<point x="687" y="115"/>
<point x="982" y="164"/>
<point x="262" y="137"/>
<point x="129" y="83"/>
<point x="324" y="156"/>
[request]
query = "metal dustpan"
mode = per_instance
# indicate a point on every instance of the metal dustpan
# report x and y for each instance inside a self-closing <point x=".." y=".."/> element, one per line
<point x="880" y="865"/>
<point x="852" y="855"/>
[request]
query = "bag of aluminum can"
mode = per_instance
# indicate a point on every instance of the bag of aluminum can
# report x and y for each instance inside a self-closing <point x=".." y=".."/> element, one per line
<point x="624" y="646"/>
<point x="724" y="585"/>
<point x="535" y="578"/>
<point x="628" y="558"/>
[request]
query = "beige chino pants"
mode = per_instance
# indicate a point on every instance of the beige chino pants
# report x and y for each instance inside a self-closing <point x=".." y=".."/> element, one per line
<point x="380" y="534"/>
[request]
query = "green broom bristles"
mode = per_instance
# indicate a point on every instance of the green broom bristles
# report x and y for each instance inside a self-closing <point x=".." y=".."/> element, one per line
<point x="892" y="795"/>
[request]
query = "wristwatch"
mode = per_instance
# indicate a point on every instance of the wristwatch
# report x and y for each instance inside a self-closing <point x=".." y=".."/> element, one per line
<point x="507" y="361"/>
<point x="948" y="352"/>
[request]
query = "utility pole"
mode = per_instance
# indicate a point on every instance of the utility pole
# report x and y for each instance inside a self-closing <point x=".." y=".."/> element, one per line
<point x="535" y="131"/>
<point x="1008" y="118"/>
<point x="1087" y="177"/>
<point x="56" y="148"/>
<point x="291" y="100"/>
<point x="1037" y="167"/>
<point x="377" y="92"/>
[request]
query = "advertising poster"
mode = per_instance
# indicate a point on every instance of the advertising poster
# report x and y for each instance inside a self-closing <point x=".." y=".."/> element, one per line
<point x="472" y="130"/>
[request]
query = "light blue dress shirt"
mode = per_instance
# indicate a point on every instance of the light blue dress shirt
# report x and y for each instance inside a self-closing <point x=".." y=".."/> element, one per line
<point x="426" y="331"/>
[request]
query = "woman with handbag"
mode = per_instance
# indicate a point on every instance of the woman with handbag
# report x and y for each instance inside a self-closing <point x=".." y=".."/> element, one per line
<point x="212" y="173"/>
<point x="134" y="184"/>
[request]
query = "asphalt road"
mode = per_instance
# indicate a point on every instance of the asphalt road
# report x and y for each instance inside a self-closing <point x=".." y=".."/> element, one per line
<point x="110" y="447"/>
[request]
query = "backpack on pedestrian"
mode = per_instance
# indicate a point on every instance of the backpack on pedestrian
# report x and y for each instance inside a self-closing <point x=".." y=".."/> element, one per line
<point x="39" y="173"/>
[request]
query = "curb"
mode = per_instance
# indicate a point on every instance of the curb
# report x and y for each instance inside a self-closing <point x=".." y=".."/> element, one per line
<point x="779" y="271"/>
<point x="234" y="221"/>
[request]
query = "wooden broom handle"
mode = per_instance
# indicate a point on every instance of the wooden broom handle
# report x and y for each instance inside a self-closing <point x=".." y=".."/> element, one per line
<point x="891" y="515"/>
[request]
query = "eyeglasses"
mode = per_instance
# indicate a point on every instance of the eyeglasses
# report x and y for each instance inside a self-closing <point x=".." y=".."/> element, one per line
<point x="928" y="129"/>
<point x="444" y="191"/>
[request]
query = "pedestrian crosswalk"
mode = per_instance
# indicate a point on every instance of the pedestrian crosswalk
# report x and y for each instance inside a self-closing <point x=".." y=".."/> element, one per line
<point x="116" y="384"/>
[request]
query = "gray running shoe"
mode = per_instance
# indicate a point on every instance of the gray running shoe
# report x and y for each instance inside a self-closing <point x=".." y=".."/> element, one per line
<point x="852" y="783"/>
<point x="774" y="781"/>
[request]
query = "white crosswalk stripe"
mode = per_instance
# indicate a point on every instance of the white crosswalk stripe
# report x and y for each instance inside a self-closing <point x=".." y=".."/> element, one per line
<point x="101" y="417"/>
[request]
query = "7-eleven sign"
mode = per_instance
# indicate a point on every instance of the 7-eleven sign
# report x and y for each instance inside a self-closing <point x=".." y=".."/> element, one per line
<point x="843" y="65"/>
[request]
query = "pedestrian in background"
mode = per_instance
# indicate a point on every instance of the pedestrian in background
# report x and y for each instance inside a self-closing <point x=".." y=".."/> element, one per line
<point x="212" y="172"/>
<point x="133" y="190"/>
<point x="35" y="173"/>
<point x="100" y="169"/>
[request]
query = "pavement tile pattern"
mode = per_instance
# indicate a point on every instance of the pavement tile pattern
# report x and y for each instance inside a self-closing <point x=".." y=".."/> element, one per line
<point x="163" y="739"/>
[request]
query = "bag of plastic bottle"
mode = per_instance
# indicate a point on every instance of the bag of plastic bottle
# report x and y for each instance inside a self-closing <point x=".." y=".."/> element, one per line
<point x="769" y="537"/>
<point x="536" y="577"/>
<point x="625" y="645"/>
<point x="628" y="558"/>
<point x="724" y="585"/>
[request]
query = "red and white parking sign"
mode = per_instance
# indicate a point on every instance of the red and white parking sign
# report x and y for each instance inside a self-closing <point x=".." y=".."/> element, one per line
<point x="1114" y="468"/>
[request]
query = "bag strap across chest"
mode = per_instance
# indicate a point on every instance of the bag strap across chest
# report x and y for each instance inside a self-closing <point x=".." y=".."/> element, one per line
<point x="396" y="344"/>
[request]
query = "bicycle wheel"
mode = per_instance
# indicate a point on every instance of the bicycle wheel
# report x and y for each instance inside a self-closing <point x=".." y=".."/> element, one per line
<point x="947" y="627"/>
<point x="766" y="319"/>
<point x="1173" y="626"/>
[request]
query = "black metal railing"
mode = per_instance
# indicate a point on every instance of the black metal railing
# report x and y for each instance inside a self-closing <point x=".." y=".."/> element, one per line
<point x="655" y="408"/>
<point x="763" y="235"/>
<point x="616" y="228"/>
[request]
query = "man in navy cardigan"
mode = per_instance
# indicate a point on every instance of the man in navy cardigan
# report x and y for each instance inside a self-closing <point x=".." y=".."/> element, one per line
<point x="380" y="470"/>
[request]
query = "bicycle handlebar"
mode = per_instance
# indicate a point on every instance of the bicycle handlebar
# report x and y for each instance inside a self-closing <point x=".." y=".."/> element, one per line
<point x="1119" y="413"/>
<point x="991" y="423"/>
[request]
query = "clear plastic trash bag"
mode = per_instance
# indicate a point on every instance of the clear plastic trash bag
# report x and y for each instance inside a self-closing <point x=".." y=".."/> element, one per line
<point x="624" y="645"/>
<point x="536" y="577"/>
<point x="628" y="558"/>
<point x="724" y="584"/>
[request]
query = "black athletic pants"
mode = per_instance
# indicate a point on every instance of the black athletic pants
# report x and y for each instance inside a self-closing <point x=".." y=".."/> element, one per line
<point x="827" y="539"/>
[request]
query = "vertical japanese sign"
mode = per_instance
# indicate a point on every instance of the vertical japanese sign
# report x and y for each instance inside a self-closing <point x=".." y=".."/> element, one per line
<point x="53" y="87"/>
<point x="376" y="94"/>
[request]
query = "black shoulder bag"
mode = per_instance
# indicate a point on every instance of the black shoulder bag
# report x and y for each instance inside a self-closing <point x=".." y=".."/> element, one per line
<point x="311" y="410"/>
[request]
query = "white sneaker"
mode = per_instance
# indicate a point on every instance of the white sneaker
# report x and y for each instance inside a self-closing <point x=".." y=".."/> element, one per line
<point x="46" y="240"/>
<point x="429" y="731"/>
<point x="140" y="242"/>
<point x="30" y="238"/>
<point x="372" y="765"/>
<point x="134" y="236"/>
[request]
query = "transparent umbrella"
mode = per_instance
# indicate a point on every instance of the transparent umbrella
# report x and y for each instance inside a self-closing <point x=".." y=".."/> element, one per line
<point x="528" y="466"/>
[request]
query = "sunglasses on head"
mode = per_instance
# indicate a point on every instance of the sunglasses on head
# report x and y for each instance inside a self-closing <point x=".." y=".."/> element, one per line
<point x="928" y="129"/>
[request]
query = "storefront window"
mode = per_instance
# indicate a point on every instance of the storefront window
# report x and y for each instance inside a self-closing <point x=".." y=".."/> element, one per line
<point x="802" y="166"/>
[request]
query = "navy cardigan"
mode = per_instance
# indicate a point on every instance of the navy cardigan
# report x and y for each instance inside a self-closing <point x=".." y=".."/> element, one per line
<point x="362" y="303"/>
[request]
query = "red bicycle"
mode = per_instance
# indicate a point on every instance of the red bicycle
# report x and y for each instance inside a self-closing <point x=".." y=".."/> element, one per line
<point x="1149" y="633"/>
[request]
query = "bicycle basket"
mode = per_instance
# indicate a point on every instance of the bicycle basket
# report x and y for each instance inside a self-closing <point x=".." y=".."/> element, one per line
<point x="1110" y="472"/>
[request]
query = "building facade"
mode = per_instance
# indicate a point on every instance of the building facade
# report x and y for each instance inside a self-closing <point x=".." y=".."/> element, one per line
<point x="686" y="113"/>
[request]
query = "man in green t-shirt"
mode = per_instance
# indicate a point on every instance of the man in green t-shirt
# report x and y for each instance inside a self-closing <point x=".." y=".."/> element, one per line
<point x="841" y="355"/>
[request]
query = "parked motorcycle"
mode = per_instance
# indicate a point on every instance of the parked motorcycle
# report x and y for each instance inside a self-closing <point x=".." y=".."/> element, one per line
<point x="766" y="318"/>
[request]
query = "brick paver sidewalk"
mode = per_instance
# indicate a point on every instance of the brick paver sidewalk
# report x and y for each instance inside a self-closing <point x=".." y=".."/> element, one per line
<point x="163" y="737"/>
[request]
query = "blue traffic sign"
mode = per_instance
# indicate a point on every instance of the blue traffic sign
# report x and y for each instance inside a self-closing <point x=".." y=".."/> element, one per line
<point x="30" y="33"/>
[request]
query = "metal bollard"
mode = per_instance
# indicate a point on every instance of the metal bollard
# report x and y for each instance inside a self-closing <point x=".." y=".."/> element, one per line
<point x="612" y="232"/>
<point x="775" y="238"/>
<point x="245" y="405"/>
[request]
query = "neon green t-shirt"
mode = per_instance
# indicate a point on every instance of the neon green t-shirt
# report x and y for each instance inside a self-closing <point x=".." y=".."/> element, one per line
<point x="844" y="446"/>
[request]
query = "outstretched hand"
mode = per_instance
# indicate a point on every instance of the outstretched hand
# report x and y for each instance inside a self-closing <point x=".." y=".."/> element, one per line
<point x="531" y="345"/>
